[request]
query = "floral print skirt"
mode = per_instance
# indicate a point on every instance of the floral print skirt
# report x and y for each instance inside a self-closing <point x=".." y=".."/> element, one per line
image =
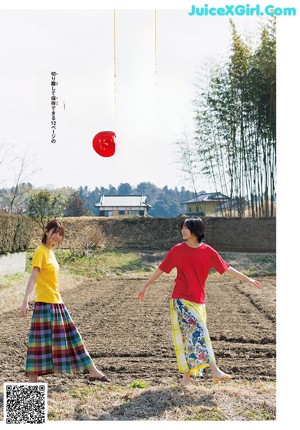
<point x="190" y="335"/>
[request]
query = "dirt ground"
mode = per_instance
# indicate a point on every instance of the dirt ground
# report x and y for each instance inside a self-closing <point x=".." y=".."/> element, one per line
<point x="131" y="340"/>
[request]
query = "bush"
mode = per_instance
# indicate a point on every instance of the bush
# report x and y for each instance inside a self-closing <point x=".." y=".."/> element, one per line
<point x="89" y="238"/>
<point x="15" y="233"/>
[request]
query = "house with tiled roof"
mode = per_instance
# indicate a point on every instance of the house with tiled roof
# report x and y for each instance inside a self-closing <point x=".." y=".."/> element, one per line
<point x="113" y="205"/>
<point x="205" y="204"/>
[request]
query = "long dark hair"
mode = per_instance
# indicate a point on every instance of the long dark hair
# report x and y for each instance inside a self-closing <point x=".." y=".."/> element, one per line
<point x="196" y="226"/>
<point x="57" y="227"/>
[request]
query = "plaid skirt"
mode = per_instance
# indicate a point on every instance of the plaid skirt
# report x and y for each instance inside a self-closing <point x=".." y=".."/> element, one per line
<point x="55" y="345"/>
<point x="190" y="335"/>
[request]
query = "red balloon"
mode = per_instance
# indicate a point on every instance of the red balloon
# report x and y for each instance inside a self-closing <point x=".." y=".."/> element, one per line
<point x="104" y="143"/>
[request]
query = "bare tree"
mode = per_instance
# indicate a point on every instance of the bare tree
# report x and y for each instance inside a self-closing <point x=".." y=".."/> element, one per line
<point x="188" y="159"/>
<point x="5" y="151"/>
<point x="13" y="197"/>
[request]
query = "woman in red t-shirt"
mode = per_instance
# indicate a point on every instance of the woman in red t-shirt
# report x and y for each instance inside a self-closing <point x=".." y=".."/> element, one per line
<point x="193" y="260"/>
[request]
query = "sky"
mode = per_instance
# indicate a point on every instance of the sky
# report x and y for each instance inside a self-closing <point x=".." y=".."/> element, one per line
<point x="134" y="73"/>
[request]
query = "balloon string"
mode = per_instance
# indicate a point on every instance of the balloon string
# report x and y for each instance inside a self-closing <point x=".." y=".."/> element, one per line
<point x="155" y="47"/>
<point x="115" y="67"/>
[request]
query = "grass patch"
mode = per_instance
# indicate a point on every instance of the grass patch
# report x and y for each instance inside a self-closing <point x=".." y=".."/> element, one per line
<point x="102" y="263"/>
<point x="82" y="393"/>
<point x="122" y="263"/>
<point x="252" y="264"/>
<point x="258" y="415"/>
<point x="52" y="416"/>
<point x="138" y="384"/>
<point x="8" y="281"/>
<point x="208" y="414"/>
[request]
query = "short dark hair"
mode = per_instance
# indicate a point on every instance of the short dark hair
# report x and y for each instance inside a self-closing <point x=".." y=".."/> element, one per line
<point x="57" y="226"/>
<point x="196" y="226"/>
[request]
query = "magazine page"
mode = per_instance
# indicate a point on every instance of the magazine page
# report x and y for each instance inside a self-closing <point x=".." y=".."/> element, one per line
<point x="138" y="210"/>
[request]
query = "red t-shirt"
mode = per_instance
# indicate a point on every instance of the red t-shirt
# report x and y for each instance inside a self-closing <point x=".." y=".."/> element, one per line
<point x="193" y="266"/>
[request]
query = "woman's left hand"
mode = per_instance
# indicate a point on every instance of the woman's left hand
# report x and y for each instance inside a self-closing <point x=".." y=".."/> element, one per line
<point x="256" y="283"/>
<point x="233" y="272"/>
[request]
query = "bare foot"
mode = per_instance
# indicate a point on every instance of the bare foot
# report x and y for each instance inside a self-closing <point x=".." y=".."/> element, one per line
<point x="32" y="378"/>
<point x="218" y="375"/>
<point x="221" y="377"/>
<point x="185" y="383"/>
<point x="186" y="379"/>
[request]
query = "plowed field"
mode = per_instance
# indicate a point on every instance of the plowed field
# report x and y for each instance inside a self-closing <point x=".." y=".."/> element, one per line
<point x="130" y="340"/>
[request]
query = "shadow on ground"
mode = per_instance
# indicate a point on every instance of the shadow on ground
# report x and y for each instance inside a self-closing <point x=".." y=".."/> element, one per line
<point x="152" y="404"/>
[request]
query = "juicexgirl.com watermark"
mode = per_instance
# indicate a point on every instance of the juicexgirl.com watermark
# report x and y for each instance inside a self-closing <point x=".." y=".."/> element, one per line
<point x="241" y="10"/>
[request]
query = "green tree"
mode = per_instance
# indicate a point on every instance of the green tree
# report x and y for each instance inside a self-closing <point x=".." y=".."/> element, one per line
<point x="124" y="189"/>
<point x="75" y="206"/>
<point x="45" y="205"/>
<point x="165" y="202"/>
<point x="235" y="136"/>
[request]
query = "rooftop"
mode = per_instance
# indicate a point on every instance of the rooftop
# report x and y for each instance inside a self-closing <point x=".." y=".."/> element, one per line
<point x="125" y="200"/>
<point x="207" y="197"/>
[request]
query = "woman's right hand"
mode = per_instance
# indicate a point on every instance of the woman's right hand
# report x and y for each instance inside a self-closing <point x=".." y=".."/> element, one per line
<point x="141" y="294"/>
<point x="156" y="274"/>
<point x="24" y="309"/>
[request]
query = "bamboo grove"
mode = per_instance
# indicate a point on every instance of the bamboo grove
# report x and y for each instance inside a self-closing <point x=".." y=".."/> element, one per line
<point x="235" y="133"/>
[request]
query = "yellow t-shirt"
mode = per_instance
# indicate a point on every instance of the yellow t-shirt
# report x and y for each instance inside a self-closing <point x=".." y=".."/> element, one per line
<point x="46" y="287"/>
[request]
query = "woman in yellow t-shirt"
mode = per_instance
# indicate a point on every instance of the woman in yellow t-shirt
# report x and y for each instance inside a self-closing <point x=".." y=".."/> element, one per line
<point x="55" y="345"/>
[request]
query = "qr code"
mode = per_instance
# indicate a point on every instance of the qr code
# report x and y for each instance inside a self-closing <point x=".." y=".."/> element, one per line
<point x="25" y="403"/>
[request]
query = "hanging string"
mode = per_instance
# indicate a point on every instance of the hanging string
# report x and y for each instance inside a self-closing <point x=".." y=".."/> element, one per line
<point x="115" y="66"/>
<point x="155" y="47"/>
